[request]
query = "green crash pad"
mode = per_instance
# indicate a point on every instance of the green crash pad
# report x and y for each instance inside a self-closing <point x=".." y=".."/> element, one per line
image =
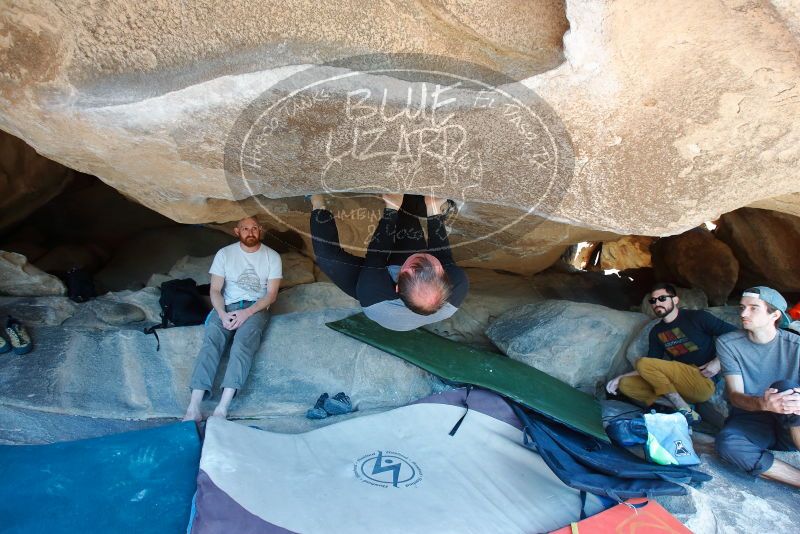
<point x="463" y="364"/>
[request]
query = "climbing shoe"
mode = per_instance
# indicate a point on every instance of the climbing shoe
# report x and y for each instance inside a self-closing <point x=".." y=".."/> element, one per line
<point x="692" y="417"/>
<point x="338" y="404"/>
<point x="4" y="346"/>
<point x="318" y="411"/>
<point x="20" y="340"/>
<point x="450" y="209"/>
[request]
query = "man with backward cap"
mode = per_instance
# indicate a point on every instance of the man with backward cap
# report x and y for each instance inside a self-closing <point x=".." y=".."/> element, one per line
<point x="761" y="366"/>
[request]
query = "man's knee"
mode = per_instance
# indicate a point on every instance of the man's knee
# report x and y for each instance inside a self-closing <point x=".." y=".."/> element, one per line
<point x="783" y="385"/>
<point x="645" y="365"/>
<point x="213" y="325"/>
<point x="789" y="420"/>
<point x="251" y="329"/>
<point x="242" y="353"/>
<point x="735" y="448"/>
<point x="629" y="384"/>
<point x="215" y="338"/>
<point x="246" y="343"/>
<point x="728" y="445"/>
<point x="636" y="389"/>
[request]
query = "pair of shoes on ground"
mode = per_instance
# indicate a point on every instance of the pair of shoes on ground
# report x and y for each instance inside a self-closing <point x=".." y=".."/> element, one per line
<point x="18" y="338"/>
<point x="337" y="405"/>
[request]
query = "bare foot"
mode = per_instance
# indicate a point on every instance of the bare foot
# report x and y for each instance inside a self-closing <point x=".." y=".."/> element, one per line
<point x="193" y="414"/>
<point x="220" y="413"/>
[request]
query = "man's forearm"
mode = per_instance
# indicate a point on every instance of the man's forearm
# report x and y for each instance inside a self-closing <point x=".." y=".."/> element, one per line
<point x="217" y="301"/>
<point x="746" y="402"/>
<point x="263" y="303"/>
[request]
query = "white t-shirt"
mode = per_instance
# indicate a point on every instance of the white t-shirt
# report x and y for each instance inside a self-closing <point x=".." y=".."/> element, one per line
<point x="246" y="273"/>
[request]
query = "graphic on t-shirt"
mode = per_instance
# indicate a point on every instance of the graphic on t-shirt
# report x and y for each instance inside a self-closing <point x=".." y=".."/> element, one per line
<point x="676" y="342"/>
<point x="249" y="281"/>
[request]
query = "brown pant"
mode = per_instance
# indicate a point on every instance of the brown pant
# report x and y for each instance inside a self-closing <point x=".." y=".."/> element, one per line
<point x="658" y="377"/>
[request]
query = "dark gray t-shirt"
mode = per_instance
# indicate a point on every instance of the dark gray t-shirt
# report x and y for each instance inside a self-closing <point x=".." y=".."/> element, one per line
<point x="760" y="364"/>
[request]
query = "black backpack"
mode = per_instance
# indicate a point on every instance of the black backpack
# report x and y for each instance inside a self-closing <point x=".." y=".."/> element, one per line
<point x="182" y="304"/>
<point x="80" y="286"/>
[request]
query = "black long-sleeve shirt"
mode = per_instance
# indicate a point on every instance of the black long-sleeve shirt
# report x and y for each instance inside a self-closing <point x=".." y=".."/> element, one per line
<point x="376" y="289"/>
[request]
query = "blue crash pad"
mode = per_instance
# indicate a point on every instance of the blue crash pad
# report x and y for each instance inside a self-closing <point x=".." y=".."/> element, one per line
<point x="135" y="482"/>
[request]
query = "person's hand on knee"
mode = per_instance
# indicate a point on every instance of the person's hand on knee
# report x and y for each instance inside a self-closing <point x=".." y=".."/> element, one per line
<point x="613" y="385"/>
<point x="239" y="317"/>
<point x="791" y="402"/>
<point x="226" y="318"/>
<point x="781" y="402"/>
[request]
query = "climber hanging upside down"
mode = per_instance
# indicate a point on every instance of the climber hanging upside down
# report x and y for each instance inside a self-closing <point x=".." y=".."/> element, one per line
<point x="405" y="281"/>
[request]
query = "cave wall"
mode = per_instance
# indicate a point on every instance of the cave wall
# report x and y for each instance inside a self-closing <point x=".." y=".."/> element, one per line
<point x="27" y="180"/>
<point x="671" y="115"/>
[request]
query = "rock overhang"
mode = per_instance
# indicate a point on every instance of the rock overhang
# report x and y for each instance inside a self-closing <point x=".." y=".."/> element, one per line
<point x="670" y="124"/>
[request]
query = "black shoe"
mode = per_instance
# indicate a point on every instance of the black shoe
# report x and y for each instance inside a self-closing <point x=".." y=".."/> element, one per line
<point x="692" y="417"/>
<point x="338" y="405"/>
<point x="318" y="412"/>
<point x="450" y="209"/>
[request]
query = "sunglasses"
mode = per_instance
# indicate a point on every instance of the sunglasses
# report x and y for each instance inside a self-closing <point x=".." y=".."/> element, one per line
<point x="660" y="298"/>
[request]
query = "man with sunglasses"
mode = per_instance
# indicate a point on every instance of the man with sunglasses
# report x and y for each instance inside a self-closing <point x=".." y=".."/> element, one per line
<point x="681" y="359"/>
<point x="761" y="366"/>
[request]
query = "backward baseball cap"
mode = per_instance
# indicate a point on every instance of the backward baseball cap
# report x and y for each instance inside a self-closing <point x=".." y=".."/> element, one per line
<point x="771" y="297"/>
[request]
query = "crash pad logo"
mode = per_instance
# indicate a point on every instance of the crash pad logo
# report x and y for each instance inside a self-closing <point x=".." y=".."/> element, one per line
<point x="680" y="449"/>
<point x="387" y="468"/>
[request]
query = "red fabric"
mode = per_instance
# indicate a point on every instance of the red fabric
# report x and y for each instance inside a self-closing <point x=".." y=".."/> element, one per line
<point x="623" y="519"/>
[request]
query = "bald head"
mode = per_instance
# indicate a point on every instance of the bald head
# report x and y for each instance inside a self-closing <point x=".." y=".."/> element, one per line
<point x="247" y="221"/>
<point x="423" y="285"/>
<point x="425" y="298"/>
